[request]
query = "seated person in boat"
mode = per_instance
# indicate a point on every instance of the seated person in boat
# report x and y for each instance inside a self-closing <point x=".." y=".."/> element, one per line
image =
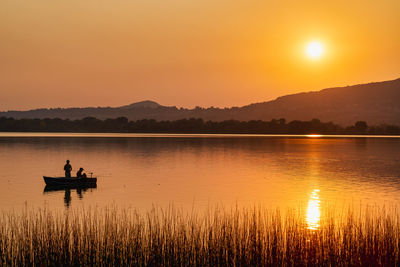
<point x="68" y="169"/>
<point x="79" y="174"/>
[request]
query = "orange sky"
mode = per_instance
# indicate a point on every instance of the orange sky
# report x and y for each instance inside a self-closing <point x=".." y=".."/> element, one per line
<point x="186" y="53"/>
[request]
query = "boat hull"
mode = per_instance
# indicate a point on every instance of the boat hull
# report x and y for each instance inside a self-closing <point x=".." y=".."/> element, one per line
<point x="54" y="188"/>
<point x="73" y="181"/>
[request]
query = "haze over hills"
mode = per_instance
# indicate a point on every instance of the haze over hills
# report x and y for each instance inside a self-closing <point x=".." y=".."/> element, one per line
<point x="377" y="103"/>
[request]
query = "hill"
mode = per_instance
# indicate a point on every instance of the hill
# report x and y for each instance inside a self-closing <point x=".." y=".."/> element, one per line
<point x="142" y="104"/>
<point x="376" y="103"/>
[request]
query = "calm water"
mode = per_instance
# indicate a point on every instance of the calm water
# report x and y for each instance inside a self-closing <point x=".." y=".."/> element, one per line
<point x="186" y="171"/>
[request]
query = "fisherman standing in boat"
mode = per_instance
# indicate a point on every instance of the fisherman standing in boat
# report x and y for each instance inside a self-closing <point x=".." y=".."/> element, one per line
<point x="68" y="169"/>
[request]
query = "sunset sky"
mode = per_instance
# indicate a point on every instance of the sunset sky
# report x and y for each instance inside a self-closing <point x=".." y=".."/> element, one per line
<point x="189" y="53"/>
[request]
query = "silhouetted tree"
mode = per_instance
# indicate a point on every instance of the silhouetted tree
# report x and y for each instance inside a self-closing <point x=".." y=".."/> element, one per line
<point x="361" y="126"/>
<point x="192" y="125"/>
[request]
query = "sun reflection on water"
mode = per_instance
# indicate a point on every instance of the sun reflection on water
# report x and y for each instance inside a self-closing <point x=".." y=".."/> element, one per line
<point x="313" y="211"/>
<point x="314" y="135"/>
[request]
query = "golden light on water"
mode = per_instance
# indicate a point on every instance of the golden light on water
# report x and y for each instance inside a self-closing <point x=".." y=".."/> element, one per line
<point x="314" y="135"/>
<point x="313" y="211"/>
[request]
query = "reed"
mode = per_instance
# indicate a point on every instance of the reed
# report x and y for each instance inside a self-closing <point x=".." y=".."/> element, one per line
<point x="168" y="237"/>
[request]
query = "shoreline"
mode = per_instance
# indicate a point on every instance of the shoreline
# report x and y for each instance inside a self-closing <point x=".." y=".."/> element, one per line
<point x="178" y="135"/>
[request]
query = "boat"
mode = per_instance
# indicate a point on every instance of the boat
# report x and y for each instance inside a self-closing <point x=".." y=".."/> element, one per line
<point x="73" y="181"/>
<point x="54" y="188"/>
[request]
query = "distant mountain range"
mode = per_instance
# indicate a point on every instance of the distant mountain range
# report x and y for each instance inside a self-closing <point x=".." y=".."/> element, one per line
<point x="375" y="103"/>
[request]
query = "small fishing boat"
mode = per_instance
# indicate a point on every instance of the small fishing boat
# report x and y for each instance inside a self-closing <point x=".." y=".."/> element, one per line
<point x="73" y="181"/>
<point x="83" y="187"/>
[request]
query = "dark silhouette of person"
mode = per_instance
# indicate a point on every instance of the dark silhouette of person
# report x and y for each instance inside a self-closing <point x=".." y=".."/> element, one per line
<point x="79" y="174"/>
<point x="68" y="169"/>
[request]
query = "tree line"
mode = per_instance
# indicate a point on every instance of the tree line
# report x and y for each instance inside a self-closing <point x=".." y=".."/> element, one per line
<point x="192" y="125"/>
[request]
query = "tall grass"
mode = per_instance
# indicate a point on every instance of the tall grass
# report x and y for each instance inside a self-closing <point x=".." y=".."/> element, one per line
<point x="237" y="237"/>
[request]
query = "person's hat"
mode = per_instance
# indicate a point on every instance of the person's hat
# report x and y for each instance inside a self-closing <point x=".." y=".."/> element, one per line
<point x="67" y="160"/>
<point x="81" y="169"/>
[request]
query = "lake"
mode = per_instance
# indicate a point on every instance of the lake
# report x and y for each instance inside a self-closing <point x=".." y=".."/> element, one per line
<point x="142" y="170"/>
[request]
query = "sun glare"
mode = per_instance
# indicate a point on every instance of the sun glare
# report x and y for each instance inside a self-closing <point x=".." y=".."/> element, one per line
<point x="314" y="135"/>
<point x="313" y="212"/>
<point x="314" y="50"/>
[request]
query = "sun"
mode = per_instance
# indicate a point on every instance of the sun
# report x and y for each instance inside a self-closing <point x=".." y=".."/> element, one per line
<point x="314" y="50"/>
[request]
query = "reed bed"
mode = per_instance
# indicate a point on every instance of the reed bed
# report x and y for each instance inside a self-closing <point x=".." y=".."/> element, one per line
<point x="167" y="237"/>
